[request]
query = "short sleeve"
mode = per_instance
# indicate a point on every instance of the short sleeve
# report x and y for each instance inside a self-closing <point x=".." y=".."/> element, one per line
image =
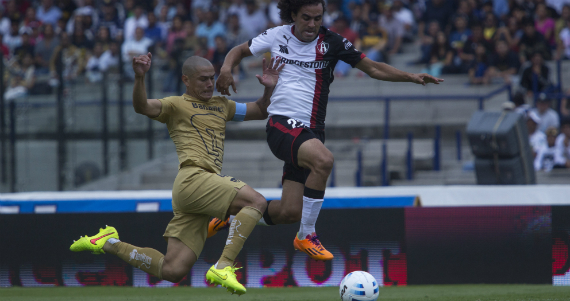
<point x="263" y="42"/>
<point x="346" y="51"/>
<point x="166" y="110"/>
<point x="231" y="110"/>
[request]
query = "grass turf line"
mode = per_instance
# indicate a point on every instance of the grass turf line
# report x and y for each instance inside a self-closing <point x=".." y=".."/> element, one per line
<point x="412" y="293"/>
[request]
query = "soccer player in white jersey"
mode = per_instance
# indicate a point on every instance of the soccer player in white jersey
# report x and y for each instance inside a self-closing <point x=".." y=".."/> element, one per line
<point x="295" y="130"/>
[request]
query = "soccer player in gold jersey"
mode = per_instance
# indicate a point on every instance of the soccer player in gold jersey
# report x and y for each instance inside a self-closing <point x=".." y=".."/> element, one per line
<point x="196" y="122"/>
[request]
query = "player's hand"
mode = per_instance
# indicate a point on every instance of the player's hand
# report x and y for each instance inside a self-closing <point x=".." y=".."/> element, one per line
<point x="424" y="79"/>
<point x="270" y="73"/>
<point x="141" y="64"/>
<point x="225" y="80"/>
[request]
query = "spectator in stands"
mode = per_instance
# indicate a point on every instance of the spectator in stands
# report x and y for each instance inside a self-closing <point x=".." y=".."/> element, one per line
<point x="537" y="138"/>
<point x="563" y="141"/>
<point x="210" y="29"/>
<point x="80" y="39"/>
<point x="561" y="22"/>
<point x="110" y="58"/>
<point x="110" y="19"/>
<point x="468" y="54"/>
<point x="536" y="76"/>
<point x="341" y="26"/>
<point x="25" y="48"/>
<point x="501" y="9"/>
<point x="164" y="22"/>
<point x="332" y="13"/>
<point x="395" y="30"/>
<point x="273" y="14"/>
<point x="478" y="68"/>
<point x="549" y="157"/>
<point x="406" y="17"/>
<point x="153" y="31"/>
<point x="92" y="69"/>
<point x="531" y="42"/>
<point x="11" y="12"/>
<point x="169" y="8"/>
<point x="544" y="24"/>
<point x="427" y="40"/>
<point x="44" y="49"/>
<point x="436" y="10"/>
<point x="490" y="27"/>
<point x="521" y="106"/>
<point x="137" y="20"/>
<point x="235" y="34"/>
<point x="512" y="33"/>
<point x="48" y="13"/>
<point x="134" y="47"/>
<point x="103" y="37"/>
<point x="563" y="50"/>
<point x="190" y="40"/>
<point x="503" y="63"/>
<point x="73" y="59"/>
<point x="30" y="19"/>
<point x="548" y="117"/>
<point x="253" y="21"/>
<point x="13" y="38"/>
<point x="3" y="48"/>
<point x="565" y="106"/>
<point x="373" y="42"/>
<point x="441" y="56"/>
<point x="22" y="77"/>
<point x="461" y="34"/>
<point x="67" y="8"/>
<point x="176" y="32"/>
<point x="358" y="24"/>
<point x="219" y="54"/>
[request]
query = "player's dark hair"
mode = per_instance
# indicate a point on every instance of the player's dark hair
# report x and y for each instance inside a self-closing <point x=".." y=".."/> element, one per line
<point x="286" y="7"/>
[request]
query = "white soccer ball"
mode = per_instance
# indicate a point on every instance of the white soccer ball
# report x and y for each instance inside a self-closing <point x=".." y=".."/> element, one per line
<point x="359" y="286"/>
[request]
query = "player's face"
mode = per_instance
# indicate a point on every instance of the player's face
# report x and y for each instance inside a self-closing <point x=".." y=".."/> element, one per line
<point x="308" y="20"/>
<point x="201" y="84"/>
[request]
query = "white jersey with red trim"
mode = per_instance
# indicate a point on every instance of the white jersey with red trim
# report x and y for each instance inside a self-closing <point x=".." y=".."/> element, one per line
<point x="303" y="87"/>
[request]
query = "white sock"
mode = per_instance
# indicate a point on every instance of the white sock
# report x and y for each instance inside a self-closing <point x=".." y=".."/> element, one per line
<point x="262" y="222"/>
<point x="311" y="209"/>
<point x="231" y="219"/>
<point x="216" y="265"/>
<point x="113" y="240"/>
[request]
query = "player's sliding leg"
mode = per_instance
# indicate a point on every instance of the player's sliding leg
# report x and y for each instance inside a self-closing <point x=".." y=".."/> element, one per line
<point x="173" y="267"/>
<point x="249" y="204"/>
<point x="315" y="156"/>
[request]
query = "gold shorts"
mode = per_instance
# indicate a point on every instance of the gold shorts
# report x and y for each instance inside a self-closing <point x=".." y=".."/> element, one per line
<point x="197" y="195"/>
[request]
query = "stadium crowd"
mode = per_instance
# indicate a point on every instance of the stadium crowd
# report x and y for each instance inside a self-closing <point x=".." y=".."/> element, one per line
<point x="490" y="40"/>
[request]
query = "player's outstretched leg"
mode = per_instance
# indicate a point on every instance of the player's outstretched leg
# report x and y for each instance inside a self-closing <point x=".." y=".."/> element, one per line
<point x="107" y="241"/>
<point x="223" y="272"/>
<point x="315" y="156"/>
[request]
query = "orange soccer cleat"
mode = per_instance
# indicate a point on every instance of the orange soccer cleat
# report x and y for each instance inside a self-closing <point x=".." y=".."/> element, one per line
<point x="313" y="247"/>
<point x="216" y="225"/>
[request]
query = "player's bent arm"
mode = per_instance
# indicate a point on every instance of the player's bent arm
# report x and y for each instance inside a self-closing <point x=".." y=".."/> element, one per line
<point x="258" y="110"/>
<point x="382" y="71"/>
<point x="234" y="57"/>
<point x="142" y="105"/>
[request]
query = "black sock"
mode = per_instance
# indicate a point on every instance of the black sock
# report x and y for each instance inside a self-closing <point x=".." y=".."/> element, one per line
<point x="266" y="216"/>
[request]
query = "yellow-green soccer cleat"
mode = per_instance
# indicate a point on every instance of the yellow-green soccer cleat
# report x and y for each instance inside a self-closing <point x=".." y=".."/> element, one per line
<point x="94" y="243"/>
<point x="226" y="277"/>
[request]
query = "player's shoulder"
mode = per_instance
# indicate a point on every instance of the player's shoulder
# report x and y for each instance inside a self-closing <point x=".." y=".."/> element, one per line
<point x="335" y="40"/>
<point x="221" y="100"/>
<point x="173" y="99"/>
<point x="275" y="30"/>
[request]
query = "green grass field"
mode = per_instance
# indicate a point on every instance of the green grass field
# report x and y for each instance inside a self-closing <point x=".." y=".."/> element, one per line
<point x="436" y="292"/>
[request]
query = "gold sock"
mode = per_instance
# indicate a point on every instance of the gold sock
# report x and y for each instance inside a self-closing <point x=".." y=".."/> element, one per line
<point x="147" y="259"/>
<point x="240" y="229"/>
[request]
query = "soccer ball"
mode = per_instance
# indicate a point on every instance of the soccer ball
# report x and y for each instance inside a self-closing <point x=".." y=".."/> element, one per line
<point x="359" y="286"/>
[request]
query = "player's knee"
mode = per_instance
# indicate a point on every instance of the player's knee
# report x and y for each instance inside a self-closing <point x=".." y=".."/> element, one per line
<point x="259" y="202"/>
<point x="324" y="164"/>
<point x="173" y="272"/>
<point x="291" y="215"/>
